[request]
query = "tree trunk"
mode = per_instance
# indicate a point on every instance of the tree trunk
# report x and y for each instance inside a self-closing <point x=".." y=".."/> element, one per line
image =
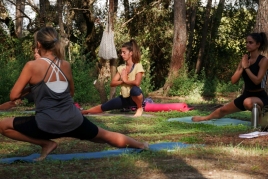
<point x="60" y="7"/>
<point x="113" y="62"/>
<point x="217" y="20"/>
<point x="204" y="38"/>
<point x="7" y="20"/>
<point x="127" y="9"/>
<point x="113" y="65"/>
<point x="20" y="7"/>
<point x="262" y="19"/>
<point x="90" y="27"/>
<point x="179" y="43"/>
<point x="191" y="21"/>
<point x="42" y="4"/>
<point x="215" y="24"/>
<point x="104" y="76"/>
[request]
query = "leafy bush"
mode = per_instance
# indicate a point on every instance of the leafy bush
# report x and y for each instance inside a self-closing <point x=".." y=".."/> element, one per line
<point x="84" y="76"/>
<point x="12" y="59"/>
<point x="189" y="84"/>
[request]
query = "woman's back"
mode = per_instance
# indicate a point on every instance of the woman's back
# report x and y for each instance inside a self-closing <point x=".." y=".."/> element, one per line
<point x="55" y="112"/>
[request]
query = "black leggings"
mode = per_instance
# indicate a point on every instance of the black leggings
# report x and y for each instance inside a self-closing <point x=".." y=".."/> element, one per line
<point x="28" y="126"/>
<point x="120" y="102"/>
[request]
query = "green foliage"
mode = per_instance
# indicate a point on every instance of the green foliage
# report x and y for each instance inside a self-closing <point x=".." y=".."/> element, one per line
<point x="223" y="53"/>
<point x="12" y="59"/>
<point x="84" y="76"/>
<point x="190" y="83"/>
<point x="147" y="82"/>
<point x="185" y="85"/>
<point x="153" y="30"/>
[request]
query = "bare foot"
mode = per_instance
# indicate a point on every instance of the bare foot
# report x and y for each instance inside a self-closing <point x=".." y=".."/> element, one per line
<point x="198" y="118"/>
<point x="138" y="112"/>
<point x="46" y="149"/>
<point x="146" y="146"/>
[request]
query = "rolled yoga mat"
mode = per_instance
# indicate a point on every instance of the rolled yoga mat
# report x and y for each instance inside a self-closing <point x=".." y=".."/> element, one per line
<point x="102" y="154"/>
<point x="157" y="107"/>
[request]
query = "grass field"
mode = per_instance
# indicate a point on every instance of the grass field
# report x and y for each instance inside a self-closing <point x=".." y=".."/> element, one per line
<point x="224" y="154"/>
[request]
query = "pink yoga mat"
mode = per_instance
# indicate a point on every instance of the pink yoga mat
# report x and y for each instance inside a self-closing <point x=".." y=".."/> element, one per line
<point x="155" y="107"/>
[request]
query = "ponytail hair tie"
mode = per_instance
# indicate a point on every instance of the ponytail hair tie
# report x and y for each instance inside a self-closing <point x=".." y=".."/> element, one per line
<point x="55" y="40"/>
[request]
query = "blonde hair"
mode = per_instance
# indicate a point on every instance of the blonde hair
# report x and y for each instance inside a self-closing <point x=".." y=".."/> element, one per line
<point x="49" y="39"/>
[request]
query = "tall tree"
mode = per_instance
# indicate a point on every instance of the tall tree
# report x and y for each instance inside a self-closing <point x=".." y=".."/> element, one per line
<point x="215" y="24"/>
<point x="191" y="13"/>
<point x="20" y="7"/>
<point x="6" y="19"/>
<point x="113" y="62"/>
<point x="216" y="21"/>
<point x="204" y="38"/>
<point x="262" y="18"/>
<point x="179" y="43"/>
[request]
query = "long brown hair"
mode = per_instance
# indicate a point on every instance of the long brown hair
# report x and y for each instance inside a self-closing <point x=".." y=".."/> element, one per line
<point x="134" y="48"/>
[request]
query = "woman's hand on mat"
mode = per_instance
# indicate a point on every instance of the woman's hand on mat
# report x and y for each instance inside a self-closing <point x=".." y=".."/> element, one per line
<point x="198" y="118"/>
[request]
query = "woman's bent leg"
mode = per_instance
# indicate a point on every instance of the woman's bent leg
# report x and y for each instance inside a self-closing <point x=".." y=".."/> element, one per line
<point x="7" y="129"/>
<point x="118" y="140"/>
<point x="115" y="103"/>
<point x="137" y="97"/>
<point x="138" y="100"/>
<point x="218" y="113"/>
<point x="93" y="110"/>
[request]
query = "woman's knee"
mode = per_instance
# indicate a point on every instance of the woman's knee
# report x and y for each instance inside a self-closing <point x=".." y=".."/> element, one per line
<point x="248" y="103"/>
<point x="6" y="124"/>
<point x="135" y="91"/>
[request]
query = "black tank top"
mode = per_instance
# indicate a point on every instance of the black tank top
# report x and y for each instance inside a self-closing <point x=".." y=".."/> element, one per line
<point x="254" y="68"/>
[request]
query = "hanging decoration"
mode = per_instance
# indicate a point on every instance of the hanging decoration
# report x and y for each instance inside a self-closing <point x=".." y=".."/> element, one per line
<point x="107" y="49"/>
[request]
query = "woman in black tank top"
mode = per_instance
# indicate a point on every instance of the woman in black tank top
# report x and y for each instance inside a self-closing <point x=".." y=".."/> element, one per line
<point x="49" y="118"/>
<point x="253" y="69"/>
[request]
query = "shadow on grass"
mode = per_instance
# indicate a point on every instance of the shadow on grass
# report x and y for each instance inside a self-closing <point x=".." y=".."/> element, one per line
<point x="148" y="164"/>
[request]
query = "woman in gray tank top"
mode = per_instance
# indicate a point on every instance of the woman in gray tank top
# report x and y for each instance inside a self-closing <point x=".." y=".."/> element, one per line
<point x="56" y="116"/>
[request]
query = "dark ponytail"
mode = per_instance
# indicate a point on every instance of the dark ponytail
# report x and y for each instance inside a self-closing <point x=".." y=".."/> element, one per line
<point x="260" y="38"/>
<point x="134" y="48"/>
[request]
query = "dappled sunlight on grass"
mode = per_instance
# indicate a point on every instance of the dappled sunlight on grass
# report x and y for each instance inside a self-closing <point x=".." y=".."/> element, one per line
<point x="215" y="150"/>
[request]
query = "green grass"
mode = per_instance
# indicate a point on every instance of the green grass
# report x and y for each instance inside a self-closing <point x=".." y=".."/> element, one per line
<point x="223" y="150"/>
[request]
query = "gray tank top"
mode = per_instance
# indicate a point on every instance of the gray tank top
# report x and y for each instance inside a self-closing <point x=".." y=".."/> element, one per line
<point x="55" y="112"/>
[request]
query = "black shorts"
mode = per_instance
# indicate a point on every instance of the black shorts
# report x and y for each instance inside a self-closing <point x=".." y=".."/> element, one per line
<point x="240" y="100"/>
<point x="28" y="126"/>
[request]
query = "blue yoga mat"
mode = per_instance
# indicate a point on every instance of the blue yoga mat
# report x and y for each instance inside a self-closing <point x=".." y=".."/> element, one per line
<point x="218" y="122"/>
<point x="94" y="155"/>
